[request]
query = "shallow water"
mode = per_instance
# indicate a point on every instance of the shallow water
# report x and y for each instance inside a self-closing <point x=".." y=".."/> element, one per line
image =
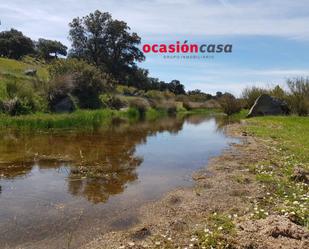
<point x="61" y="190"/>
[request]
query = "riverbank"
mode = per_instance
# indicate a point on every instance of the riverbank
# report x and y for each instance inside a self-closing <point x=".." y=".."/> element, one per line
<point x="255" y="195"/>
<point x="88" y="119"/>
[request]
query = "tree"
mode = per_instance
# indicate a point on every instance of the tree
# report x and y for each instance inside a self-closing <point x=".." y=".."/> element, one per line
<point x="14" y="45"/>
<point x="106" y="43"/>
<point x="219" y="94"/>
<point x="176" y="88"/>
<point x="48" y="49"/>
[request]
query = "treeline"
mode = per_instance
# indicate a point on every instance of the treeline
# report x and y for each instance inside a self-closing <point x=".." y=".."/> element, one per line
<point x="296" y="96"/>
<point x="100" y="70"/>
<point x="99" y="40"/>
<point x="15" y="45"/>
<point x="104" y="55"/>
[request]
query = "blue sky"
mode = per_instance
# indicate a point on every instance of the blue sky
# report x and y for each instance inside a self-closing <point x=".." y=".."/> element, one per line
<point x="270" y="37"/>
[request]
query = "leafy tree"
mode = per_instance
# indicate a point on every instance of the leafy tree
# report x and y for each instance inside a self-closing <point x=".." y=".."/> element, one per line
<point x="106" y="43"/>
<point x="14" y="45"/>
<point x="48" y="47"/>
<point x="138" y="77"/>
<point x="176" y="88"/>
<point x="219" y="94"/>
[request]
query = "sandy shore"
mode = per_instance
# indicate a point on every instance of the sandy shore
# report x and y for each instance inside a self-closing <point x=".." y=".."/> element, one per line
<point x="225" y="186"/>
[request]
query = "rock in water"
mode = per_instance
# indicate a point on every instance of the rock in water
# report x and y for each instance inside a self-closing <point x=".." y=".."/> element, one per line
<point x="267" y="105"/>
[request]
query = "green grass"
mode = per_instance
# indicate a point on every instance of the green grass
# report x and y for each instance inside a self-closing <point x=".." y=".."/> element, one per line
<point x="83" y="119"/>
<point x="287" y="138"/>
<point x="78" y="119"/>
<point x="153" y="114"/>
<point x="9" y="67"/>
<point x="291" y="133"/>
<point x="240" y="115"/>
<point x="218" y="227"/>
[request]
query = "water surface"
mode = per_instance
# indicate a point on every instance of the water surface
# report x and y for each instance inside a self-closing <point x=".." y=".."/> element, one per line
<point x="60" y="190"/>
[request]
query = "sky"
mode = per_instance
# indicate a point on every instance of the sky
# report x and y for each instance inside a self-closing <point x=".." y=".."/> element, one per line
<point x="270" y="38"/>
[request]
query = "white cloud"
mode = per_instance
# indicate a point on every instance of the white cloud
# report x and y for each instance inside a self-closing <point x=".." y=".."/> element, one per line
<point x="166" y="18"/>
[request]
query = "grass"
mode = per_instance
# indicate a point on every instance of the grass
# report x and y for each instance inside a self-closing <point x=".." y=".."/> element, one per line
<point x="288" y="141"/>
<point x="78" y="119"/>
<point x="153" y="114"/>
<point x="82" y="119"/>
<point x="17" y="68"/>
<point x="287" y="138"/>
<point x="214" y="235"/>
<point x="290" y="133"/>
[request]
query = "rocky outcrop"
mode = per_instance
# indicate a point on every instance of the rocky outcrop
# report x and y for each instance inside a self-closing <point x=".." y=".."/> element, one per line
<point x="267" y="105"/>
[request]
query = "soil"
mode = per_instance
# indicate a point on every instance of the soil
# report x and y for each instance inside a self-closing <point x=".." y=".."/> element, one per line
<point x="224" y="186"/>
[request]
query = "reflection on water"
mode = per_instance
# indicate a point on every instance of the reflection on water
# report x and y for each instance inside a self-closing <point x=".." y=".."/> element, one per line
<point x="89" y="183"/>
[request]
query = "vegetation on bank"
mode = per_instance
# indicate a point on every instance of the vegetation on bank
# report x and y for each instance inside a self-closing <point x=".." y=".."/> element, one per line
<point x="282" y="176"/>
<point x="89" y="119"/>
<point x="100" y="71"/>
<point x="85" y="119"/>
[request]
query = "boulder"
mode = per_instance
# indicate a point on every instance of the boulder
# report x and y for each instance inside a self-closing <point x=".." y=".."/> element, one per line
<point x="267" y="105"/>
<point x="30" y="72"/>
<point x="65" y="104"/>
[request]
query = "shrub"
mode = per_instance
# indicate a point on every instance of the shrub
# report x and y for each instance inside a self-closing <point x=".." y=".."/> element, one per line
<point x="140" y="104"/>
<point x="187" y="105"/>
<point x="250" y="94"/>
<point x="169" y="106"/>
<point x="81" y="80"/>
<point x="278" y="93"/>
<point x="20" y="97"/>
<point x="182" y="98"/>
<point x="299" y="95"/>
<point x="17" y="106"/>
<point x="126" y="90"/>
<point x="111" y="101"/>
<point x="154" y="94"/>
<point x="59" y="88"/>
<point x="229" y="104"/>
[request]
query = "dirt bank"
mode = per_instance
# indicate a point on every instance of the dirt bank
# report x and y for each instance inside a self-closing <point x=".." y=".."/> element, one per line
<point x="217" y="211"/>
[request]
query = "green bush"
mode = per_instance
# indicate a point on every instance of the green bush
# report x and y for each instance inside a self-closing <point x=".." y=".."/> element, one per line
<point x="111" y="101"/>
<point x="154" y="94"/>
<point x="250" y="94"/>
<point x="299" y="95"/>
<point x="229" y="104"/>
<point x="20" y="97"/>
<point x="126" y="90"/>
<point x="159" y="95"/>
<point x="83" y="81"/>
<point x="182" y="98"/>
<point x="140" y="104"/>
<point x="187" y="106"/>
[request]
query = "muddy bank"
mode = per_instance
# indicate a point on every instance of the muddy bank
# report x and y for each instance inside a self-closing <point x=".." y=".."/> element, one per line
<point x="226" y="188"/>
